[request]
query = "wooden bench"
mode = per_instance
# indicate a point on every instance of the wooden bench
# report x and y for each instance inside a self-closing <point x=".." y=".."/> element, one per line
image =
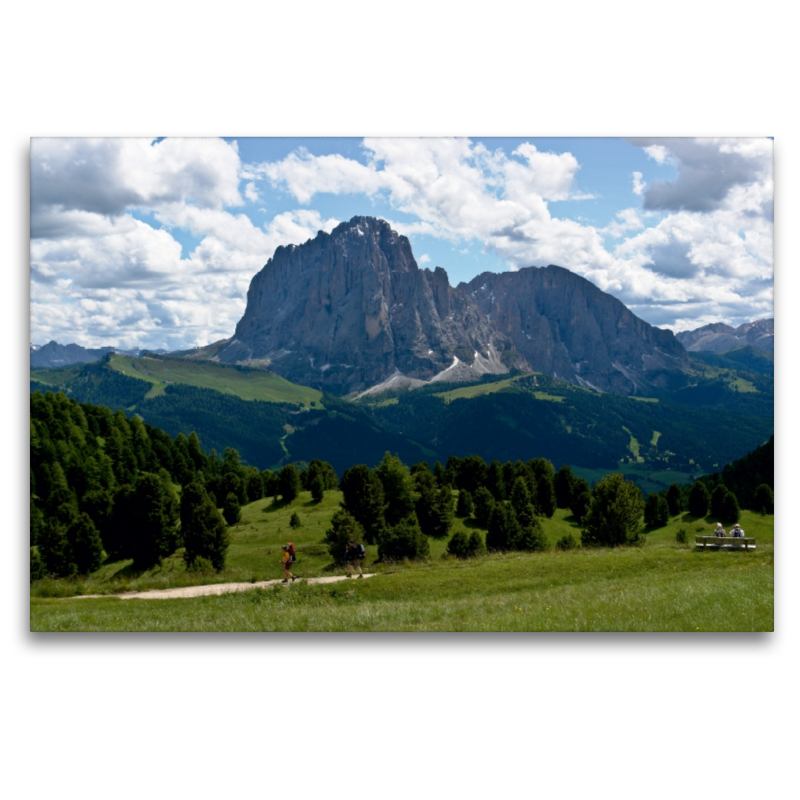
<point x="729" y="542"/>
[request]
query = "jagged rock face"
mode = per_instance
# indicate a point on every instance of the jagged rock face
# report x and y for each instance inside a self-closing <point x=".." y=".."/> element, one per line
<point x="718" y="336"/>
<point x="54" y="354"/>
<point x="350" y="309"/>
<point x="565" y="326"/>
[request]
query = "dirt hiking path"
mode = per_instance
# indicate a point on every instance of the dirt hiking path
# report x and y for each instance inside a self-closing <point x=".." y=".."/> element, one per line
<point x="214" y="588"/>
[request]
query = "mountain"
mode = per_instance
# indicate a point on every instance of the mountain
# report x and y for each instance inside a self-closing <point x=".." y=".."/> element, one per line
<point x="54" y="354"/>
<point x="566" y="327"/>
<point x="719" y="337"/>
<point x="351" y="311"/>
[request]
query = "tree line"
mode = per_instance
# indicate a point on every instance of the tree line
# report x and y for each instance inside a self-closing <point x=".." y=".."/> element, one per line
<point x="103" y="484"/>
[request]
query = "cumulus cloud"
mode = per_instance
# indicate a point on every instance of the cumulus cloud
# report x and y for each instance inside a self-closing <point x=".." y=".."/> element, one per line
<point x="708" y="169"/>
<point x="638" y="184"/>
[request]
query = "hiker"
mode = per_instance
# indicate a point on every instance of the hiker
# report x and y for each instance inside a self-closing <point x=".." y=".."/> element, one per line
<point x="737" y="532"/>
<point x="354" y="555"/>
<point x="286" y="559"/>
<point x="719" y="530"/>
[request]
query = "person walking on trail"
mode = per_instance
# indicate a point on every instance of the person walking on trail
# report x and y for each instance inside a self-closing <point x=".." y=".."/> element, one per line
<point x="354" y="555"/>
<point x="286" y="559"/>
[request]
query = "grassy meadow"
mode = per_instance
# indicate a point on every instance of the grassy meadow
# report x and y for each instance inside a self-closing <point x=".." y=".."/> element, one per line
<point x="659" y="586"/>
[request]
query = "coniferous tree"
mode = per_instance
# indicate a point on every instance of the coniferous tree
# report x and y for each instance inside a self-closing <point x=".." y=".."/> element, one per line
<point x="614" y="517"/>
<point x="54" y="549"/>
<point x="698" y="499"/>
<point x="656" y="511"/>
<point x="404" y="540"/>
<point x="476" y="544"/>
<point x="85" y="544"/>
<point x="344" y="527"/>
<point x="317" y="489"/>
<point x="398" y="489"/>
<point x="203" y="528"/>
<point x="531" y="536"/>
<point x="484" y="505"/>
<point x="520" y="497"/>
<point x="289" y="483"/>
<point x="545" y="495"/>
<point x="231" y="510"/>
<point x="458" y="545"/>
<point x="764" y="499"/>
<point x="294" y="521"/>
<point x="562" y="486"/>
<point x="504" y="530"/>
<point x="362" y="496"/>
<point x="729" y="508"/>
<point x="37" y="520"/>
<point x="494" y="481"/>
<point x="38" y="569"/>
<point x="717" y="496"/>
<point x="581" y="499"/>
<point x="674" y="499"/>
<point x="464" y="506"/>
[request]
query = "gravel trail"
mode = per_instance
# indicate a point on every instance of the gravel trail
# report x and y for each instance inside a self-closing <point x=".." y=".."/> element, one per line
<point x="214" y="588"/>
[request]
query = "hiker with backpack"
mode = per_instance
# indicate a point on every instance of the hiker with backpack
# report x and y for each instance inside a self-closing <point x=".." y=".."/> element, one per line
<point x="354" y="555"/>
<point x="287" y="559"/>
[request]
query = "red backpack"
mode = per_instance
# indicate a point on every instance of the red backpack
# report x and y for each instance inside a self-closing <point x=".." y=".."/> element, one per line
<point x="290" y="547"/>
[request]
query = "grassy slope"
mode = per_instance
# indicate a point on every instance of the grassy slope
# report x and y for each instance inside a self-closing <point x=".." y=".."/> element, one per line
<point x="659" y="586"/>
<point x="248" y="384"/>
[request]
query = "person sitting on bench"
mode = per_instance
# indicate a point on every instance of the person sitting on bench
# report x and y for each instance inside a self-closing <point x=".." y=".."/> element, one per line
<point x="719" y="530"/>
<point x="737" y="532"/>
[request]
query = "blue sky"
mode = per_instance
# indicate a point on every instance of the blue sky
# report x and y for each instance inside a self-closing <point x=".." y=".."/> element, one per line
<point x="153" y="243"/>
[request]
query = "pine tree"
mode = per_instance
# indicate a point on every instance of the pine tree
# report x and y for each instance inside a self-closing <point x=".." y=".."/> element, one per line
<point x="85" y="543"/>
<point x="545" y="495"/>
<point x="729" y="508"/>
<point x="231" y="510"/>
<point x="656" y="511"/>
<point x="763" y="498"/>
<point x="504" y="530"/>
<point x="494" y="481"/>
<point x="476" y="545"/>
<point x="398" y="489"/>
<point x="717" y="497"/>
<point x="289" y="483"/>
<point x="562" y="485"/>
<point x="38" y="569"/>
<point x="317" y="489"/>
<point x="464" y="506"/>
<point x="344" y="527"/>
<point x="698" y="499"/>
<point x="294" y="521"/>
<point x="54" y="549"/>
<point x="674" y="499"/>
<point x="531" y="537"/>
<point x="203" y="529"/>
<point x="362" y="496"/>
<point x="404" y="540"/>
<point x="614" y="517"/>
<point x="458" y="545"/>
<point x="484" y="505"/>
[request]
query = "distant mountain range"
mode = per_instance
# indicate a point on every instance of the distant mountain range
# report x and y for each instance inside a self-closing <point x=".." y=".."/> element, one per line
<point x="54" y="354"/>
<point x="719" y="337"/>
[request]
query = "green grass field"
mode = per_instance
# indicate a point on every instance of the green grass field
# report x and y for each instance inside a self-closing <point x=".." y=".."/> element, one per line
<point x="660" y="586"/>
<point x="249" y="384"/>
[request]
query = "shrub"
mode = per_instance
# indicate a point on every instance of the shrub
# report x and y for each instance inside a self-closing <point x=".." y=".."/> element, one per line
<point x="404" y="540"/>
<point x="200" y="564"/>
<point x="458" y="545"/>
<point x="476" y="545"/>
<point x="682" y="536"/>
<point x="531" y="537"/>
<point x="568" y="542"/>
<point x="294" y="522"/>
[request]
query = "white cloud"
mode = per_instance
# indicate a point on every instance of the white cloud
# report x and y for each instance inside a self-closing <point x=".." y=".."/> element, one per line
<point x="657" y="152"/>
<point x="638" y="184"/>
<point x="424" y="259"/>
